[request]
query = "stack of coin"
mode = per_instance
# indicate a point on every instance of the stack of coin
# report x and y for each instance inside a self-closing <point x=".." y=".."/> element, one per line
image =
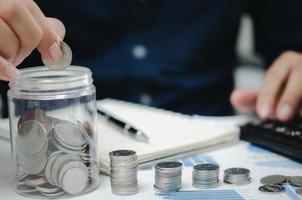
<point x="168" y="176"/>
<point x="205" y="176"/>
<point x="123" y="173"/>
<point x="53" y="155"/>
<point x="237" y="176"/>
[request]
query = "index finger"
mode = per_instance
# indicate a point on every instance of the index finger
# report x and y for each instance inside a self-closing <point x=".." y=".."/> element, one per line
<point x="273" y="83"/>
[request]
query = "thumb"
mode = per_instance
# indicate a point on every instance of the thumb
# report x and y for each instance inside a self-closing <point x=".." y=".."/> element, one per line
<point x="244" y="100"/>
<point x="50" y="47"/>
<point x="53" y="33"/>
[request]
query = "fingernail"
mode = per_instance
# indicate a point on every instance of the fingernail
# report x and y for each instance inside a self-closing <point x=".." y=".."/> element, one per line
<point x="284" y="112"/>
<point x="10" y="71"/>
<point x="265" y="111"/>
<point x="55" y="52"/>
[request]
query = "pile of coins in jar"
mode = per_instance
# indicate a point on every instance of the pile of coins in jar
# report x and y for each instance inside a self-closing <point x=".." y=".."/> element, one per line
<point x="54" y="156"/>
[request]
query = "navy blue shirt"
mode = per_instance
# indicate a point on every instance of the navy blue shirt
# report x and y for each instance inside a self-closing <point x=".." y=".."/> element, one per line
<point x="174" y="54"/>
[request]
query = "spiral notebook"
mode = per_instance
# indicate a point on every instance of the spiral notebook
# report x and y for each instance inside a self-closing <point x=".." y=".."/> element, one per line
<point x="171" y="135"/>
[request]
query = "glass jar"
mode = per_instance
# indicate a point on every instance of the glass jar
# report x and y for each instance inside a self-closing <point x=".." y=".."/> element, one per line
<point x="53" y="132"/>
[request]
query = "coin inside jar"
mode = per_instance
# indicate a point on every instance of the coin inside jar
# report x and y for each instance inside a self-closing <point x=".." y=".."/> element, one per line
<point x="62" y="63"/>
<point x="32" y="136"/>
<point x="69" y="134"/>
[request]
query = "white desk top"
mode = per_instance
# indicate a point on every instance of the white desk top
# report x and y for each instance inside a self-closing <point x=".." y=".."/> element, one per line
<point x="260" y="162"/>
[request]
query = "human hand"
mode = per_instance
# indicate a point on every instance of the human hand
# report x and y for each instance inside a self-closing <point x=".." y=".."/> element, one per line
<point x="281" y="92"/>
<point x="23" y="27"/>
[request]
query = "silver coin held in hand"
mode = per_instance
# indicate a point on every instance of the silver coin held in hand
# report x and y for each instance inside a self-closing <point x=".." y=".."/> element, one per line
<point x="62" y="63"/>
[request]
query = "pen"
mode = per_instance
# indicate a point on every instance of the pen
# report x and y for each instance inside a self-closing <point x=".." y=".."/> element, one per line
<point x="126" y="127"/>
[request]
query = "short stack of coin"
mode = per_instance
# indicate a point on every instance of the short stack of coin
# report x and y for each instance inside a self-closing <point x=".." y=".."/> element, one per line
<point x="123" y="173"/>
<point x="237" y="176"/>
<point x="53" y="154"/>
<point x="205" y="176"/>
<point x="168" y="176"/>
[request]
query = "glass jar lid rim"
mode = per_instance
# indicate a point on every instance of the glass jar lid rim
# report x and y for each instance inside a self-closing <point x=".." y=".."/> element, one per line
<point x="42" y="78"/>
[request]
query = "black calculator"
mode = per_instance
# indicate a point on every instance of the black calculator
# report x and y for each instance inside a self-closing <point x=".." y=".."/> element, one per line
<point x="280" y="137"/>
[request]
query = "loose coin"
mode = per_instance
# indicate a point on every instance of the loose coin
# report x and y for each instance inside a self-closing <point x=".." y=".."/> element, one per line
<point x="69" y="134"/>
<point x="48" y="168"/>
<point x="295" y="181"/>
<point x="299" y="191"/>
<point x="273" y="179"/>
<point x="32" y="136"/>
<point x="47" y="188"/>
<point x="74" y="175"/>
<point x="271" y="189"/>
<point x="62" y="63"/>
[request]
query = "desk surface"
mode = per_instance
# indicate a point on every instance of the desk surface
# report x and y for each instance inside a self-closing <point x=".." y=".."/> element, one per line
<point x="259" y="161"/>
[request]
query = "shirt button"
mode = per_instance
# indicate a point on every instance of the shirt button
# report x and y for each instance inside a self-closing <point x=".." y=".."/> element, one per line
<point x="145" y="99"/>
<point x="139" y="52"/>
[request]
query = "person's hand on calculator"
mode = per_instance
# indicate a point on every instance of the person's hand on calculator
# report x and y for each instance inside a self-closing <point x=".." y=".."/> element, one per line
<point x="23" y="27"/>
<point x="281" y="92"/>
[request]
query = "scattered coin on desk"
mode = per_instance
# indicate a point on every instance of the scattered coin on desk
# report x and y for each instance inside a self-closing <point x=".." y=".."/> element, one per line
<point x="271" y="189"/>
<point x="273" y="179"/>
<point x="205" y="176"/>
<point x="62" y="63"/>
<point x="123" y="172"/>
<point x="237" y="176"/>
<point x="299" y="191"/>
<point x="295" y="181"/>
<point x="53" y="154"/>
<point x="168" y="176"/>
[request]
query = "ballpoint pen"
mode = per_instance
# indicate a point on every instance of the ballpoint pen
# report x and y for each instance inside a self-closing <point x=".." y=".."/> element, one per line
<point x="125" y="127"/>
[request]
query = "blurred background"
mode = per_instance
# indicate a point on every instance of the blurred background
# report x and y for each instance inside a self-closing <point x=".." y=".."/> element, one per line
<point x="249" y="72"/>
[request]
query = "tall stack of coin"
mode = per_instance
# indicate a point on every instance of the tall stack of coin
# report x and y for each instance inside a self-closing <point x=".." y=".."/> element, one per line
<point x="123" y="173"/>
<point x="55" y="157"/>
<point x="168" y="176"/>
<point x="237" y="176"/>
<point x="205" y="176"/>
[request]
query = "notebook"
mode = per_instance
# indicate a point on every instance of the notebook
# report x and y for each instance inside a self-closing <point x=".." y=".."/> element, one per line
<point x="171" y="135"/>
